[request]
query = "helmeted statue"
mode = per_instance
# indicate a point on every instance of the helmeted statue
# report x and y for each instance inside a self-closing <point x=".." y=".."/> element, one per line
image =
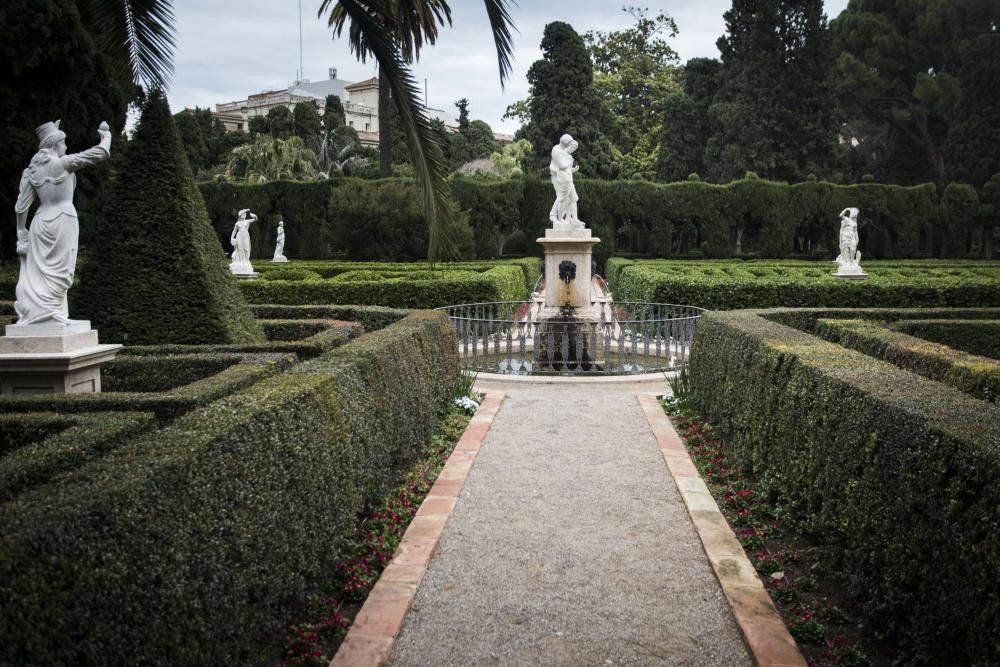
<point x="48" y="249"/>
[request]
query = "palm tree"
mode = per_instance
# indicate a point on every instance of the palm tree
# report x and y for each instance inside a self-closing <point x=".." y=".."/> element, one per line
<point x="410" y="23"/>
<point x="139" y="35"/>
<point x="374" y="32"/>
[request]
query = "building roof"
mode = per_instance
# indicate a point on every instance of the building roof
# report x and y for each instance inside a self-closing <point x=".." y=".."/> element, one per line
<point x="361" y="85"/>
<point x="320" y="89"/>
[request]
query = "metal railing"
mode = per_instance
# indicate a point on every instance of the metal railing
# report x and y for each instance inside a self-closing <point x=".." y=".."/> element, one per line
<point x="619" y="338"/>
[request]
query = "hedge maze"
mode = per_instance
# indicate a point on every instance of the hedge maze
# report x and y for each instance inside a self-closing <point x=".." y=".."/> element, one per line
<point x="173" y="518"/>
<point x="883" y="445"/>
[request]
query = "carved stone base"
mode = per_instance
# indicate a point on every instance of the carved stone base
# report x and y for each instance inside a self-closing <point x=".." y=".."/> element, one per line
<point x="279" y="260"/>
<point x="32" y="362"/>
<point x="850" y="272"/>
<point x="573" y="246"/>
<point x="243" y="271"/>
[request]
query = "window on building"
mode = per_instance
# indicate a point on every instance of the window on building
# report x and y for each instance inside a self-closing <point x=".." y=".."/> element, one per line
<point x="368" y="127"/>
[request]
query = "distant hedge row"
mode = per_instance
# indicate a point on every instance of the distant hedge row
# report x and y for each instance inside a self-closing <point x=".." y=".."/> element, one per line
<point x="380" y="219"/>
<point x="396" y="285"/>
<point x="894" y="473"/>
<point x="767" y="284"/>
<point x="184" y="545"/>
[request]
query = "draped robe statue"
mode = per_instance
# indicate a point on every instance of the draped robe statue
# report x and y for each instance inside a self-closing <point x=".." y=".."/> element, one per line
<point x="561" y="169"/>
<point x="279" y="246"/>
<point x="48" y="248"/>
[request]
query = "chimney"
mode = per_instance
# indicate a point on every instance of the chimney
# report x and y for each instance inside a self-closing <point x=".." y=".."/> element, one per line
<point x="333" y="73"/>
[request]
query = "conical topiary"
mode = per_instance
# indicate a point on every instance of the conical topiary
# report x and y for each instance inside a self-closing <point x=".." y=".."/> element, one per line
<point x="154" y="271"/>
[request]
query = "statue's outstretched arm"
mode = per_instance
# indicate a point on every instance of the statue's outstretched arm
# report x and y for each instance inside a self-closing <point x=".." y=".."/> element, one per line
<point x="99" y="153"/>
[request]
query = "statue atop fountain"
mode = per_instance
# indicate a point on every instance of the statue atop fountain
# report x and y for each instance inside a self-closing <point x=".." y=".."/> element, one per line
<point x="561" y="169"/>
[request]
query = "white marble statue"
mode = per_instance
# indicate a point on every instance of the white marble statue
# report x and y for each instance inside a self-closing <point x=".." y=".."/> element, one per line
<point x="279" y="245"/>
<point x="849" y="259"/>
<point x="48" y="248"/>
<point x="561" y="168"/>
<point x="240" y="241"/>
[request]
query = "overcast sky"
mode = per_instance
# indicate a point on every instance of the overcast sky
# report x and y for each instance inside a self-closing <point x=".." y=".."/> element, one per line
<point x="228" y="49"/>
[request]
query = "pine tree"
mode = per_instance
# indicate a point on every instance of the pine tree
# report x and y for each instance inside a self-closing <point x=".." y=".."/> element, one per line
<point x="563" y="101"/>
<point x="773" y="112"/>
<point x="155" y="272"/>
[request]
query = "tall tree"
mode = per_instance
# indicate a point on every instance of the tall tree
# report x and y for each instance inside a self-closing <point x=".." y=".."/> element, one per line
<point x="773" y="113"/>
<point x="463" y="114"/>
<point x="81" y="61"/>
<point x="563" y="100"/>
<point x="307" y="122"/>
<point x="281" y="122"/>
<point x="333" y="113"/>
<point x="685" y="121"/>
<point x="428" y="162"/>
<point x="972" y="146"/>
<point x="634" y="71"/>
<point x="899" y="67"/>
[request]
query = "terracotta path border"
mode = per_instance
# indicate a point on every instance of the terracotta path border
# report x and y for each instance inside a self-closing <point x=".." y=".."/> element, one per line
<point x="764" y="632"/>
<point x="369" y="641"/>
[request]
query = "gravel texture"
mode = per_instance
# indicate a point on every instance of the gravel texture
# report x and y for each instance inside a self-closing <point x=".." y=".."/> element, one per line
<point x="569" y="545"/>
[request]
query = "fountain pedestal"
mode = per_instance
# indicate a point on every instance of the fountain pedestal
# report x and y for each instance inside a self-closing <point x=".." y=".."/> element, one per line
<point x="52" y="358"/>
<point x="569" y="335"/>
<point x="573" y="245"/>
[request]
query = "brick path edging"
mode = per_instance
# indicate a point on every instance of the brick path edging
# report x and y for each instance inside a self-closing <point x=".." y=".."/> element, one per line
<point x="369" y="641"/>
<point x="764" y="632"/>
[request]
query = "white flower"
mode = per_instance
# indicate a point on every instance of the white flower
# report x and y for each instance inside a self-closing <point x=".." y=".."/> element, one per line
<point x="467" y="404"/>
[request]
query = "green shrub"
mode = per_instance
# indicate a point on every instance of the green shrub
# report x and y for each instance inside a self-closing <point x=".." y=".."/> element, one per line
<point x="895" y="472"/>
<point x="371" y="318"/>
<point x="50" y="444"/>
<point x="128" y="373"/>
<point x="155" y="273"/>
<point x="734" y="284"/>
<point x="975" y="337"/>
<point x="295" y="329"/>
<point x="328" y="338"/>
<point x="287" y="273"/>
<point x="208" y="529"/>
<point x="502" y="282"/>
<point x="391" y="383"/>
<point x="977" y="376"/>
<point x="165" y="405"/>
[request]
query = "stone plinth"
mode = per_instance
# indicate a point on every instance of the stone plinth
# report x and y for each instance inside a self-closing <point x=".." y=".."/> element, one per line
<point x="850" y="272"/>
<point x="244" y="271"/>
<point x="52" y="358"/>
<point x="279" y="259"/>
<point x="568" y="244"/>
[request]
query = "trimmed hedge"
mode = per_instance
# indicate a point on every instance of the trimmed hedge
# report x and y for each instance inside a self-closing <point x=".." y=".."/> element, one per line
<point x="306" y="348"/>
<point x="371" y="318"/>
<point x="165" y="405"/>
<point x="768" y="284"/>
<point x="504" y="282"/>
<point x="51" y="443"/>
<point x="184" y="545"/>
<point x="128" y="373"/>
<point x="975" y="337"/>
<point x="896" y="473"/>
<point x="391" y="382"/>
<point x="977" y="376"/>
<point x="298" y="329"/>
<point x="154" y="272"/>
<point x="772" y="219"/>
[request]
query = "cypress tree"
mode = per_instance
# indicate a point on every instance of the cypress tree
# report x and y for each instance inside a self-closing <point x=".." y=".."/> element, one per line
<point x="155" y="272"/>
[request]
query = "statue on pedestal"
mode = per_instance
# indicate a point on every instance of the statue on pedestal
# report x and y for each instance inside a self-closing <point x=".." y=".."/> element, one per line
<point x="279" y="246"/>
<point x="240" y="241"/>
<point x="48" y="248"/>
<point x="849" y="259"/>
<point x="561" y="168"/>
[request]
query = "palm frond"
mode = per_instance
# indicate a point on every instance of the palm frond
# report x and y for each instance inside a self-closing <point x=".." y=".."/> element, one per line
<point x="428" y="162"/>
<point x="141" y="35"/>
<point x="501" y="24"/>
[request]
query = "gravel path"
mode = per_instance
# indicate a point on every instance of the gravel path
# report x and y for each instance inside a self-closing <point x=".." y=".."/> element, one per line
<point x="569" y="545"/>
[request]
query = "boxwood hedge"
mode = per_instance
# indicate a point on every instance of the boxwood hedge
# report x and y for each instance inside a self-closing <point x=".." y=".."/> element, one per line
<point x="183" y="545"/>
<point x="46" y="443"/>
<point x="895" y="473"/>
<point x="975" y="337"/>
<point x="371" y="318"/>
<point x="977" y="376"/>
<point x="767" y="284"/>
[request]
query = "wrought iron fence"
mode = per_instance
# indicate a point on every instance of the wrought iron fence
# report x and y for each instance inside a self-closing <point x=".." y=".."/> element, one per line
<point x="618" y="338"/>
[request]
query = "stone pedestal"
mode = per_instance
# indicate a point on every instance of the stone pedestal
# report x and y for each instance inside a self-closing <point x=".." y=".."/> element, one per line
<point x="52" y="358"/>
<point x="850" y="272"/>
<point x="244" y="271"/>
<point x="574" y="245"/>
<point x="279" y="259"/>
